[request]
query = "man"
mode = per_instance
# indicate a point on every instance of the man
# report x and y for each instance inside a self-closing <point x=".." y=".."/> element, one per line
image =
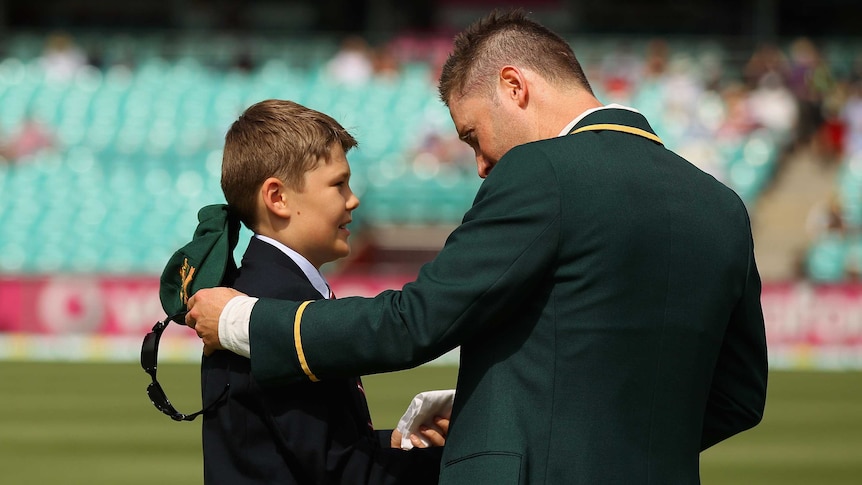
<point x="603" y="290"/>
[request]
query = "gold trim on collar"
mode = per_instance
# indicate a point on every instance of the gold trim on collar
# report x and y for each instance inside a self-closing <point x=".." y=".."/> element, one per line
<point x="297" y="342"/>
<point x="625" y="129"/>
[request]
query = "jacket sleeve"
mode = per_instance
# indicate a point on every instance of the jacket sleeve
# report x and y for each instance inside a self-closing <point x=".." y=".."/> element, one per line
<point x="506" y="243"/>
<point x="737" y="396"/>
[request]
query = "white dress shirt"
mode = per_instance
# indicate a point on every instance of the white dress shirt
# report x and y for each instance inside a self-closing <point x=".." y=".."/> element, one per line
<point x="568" y="128"/>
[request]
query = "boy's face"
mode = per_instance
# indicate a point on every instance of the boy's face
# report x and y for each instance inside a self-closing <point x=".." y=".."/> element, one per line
<point x="322" y="210"/>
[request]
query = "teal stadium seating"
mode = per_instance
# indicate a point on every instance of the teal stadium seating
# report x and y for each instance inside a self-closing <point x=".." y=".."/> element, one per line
<point x="827" y="259"/>
<point x="140" y="146"/>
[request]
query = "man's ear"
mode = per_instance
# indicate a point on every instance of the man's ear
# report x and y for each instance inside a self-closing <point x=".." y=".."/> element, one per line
<point x="276" y="197"/>
<point x="513" y="85"/>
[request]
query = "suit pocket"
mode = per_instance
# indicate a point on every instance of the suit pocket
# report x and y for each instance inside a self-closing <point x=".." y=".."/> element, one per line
<point x="491" y="468"/>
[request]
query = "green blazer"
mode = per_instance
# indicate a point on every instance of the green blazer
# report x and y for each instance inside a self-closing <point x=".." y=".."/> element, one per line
<point x="605" y="296"/>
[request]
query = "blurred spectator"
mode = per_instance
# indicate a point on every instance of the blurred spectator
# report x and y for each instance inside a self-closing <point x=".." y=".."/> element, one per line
<point x="656" y="59"/>
<point x="773" y="106"/>
<point x="739" y="120"/>
<point x="830" y="139"/>
<point x="711" y="69"/>
<point x="5" y="156"/>
<point x="767" y="62"/>
<point x="429" y="48"/>
<point x="384" y="64"/>
<point x="851" y="114"/>
<point x="826" y="219"/>
<point x="855" y="73"/>
<point x="61" y="57"/>
<point x="683" y="90"/>
<point x="621" y="70"/>
<point x="244" y="61"/>
<point x="29" y="138"/>
<point x="442" y="148"/>
<point x="352" y="64"/>
<point x="810" y="78"/>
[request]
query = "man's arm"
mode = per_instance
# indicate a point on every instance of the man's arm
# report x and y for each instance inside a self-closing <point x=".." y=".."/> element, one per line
<point x="738" y="394"/>
<point x="507" y="243"/>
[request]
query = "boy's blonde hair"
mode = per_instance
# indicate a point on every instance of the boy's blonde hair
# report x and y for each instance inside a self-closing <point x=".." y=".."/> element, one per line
<point x="275" y="138"/>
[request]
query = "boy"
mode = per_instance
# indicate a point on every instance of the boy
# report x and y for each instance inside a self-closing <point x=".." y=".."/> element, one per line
<point x="286" y="177"/>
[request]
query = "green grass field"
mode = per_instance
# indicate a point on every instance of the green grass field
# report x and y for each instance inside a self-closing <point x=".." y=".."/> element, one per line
<point x="64" y="423"/>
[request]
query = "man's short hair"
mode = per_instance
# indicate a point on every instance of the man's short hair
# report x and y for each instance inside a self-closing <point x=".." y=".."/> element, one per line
<point x="506" y="37"/>
<point x="275" y="138"/>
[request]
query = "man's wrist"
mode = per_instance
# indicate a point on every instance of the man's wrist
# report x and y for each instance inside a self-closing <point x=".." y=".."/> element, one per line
<point x="233" y="325"/>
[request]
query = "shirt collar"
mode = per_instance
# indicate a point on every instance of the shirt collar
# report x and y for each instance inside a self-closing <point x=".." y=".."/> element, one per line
<point x="583" y="115"/>
<point x="313" y="274"/>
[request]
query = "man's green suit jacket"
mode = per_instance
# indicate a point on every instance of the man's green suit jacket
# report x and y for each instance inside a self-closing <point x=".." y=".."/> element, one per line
<point x="605" y="296"/>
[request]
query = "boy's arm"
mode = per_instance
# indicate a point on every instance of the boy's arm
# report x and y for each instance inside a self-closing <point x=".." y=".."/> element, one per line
<point x="319" y="437"/>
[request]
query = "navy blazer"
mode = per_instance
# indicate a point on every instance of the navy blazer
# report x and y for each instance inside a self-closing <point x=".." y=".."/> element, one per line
<point x="308" y="433"/>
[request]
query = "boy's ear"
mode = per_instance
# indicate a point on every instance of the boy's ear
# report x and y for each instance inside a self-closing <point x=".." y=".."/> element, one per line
<point x="275" y="197"/>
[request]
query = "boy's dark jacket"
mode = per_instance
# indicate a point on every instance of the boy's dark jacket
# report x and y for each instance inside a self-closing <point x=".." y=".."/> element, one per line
<point x="306" y="433"/>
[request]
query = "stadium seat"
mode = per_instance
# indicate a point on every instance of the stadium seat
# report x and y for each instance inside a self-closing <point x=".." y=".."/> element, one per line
<point x="827" y="259"/>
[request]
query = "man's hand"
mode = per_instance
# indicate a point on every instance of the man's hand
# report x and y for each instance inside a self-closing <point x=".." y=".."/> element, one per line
<point x="205" y="308"/>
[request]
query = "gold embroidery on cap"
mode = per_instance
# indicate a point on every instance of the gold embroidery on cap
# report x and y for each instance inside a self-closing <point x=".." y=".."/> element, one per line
<point x="187" y="272"/>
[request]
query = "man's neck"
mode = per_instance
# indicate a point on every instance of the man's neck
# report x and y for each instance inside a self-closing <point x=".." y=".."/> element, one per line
<point x="584" y="114"/>
<point x="561" y="109"/>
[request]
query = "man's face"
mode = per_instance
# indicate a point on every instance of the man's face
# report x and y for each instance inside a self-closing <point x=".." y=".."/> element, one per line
<point x="490" y="127"/>
<point x="322" y="210"/>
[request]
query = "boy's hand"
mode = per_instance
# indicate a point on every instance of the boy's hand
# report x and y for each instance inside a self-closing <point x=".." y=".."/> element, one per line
<point x="435" y="435"/>
<point x="205" y="308"/>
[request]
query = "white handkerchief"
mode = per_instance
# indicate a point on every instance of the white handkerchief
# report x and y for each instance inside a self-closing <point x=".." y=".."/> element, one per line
<point x="421" y="411"/>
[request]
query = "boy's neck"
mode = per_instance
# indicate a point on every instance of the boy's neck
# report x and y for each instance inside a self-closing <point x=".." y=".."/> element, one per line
<point x="315" y="277"/>
<point x="281" y="238"/>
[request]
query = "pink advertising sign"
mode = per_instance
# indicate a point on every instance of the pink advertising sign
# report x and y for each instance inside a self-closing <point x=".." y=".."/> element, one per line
<point x="807" y="326"/>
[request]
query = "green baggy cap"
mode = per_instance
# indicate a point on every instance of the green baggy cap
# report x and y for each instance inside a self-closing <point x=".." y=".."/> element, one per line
<point x="203" y="262"/>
